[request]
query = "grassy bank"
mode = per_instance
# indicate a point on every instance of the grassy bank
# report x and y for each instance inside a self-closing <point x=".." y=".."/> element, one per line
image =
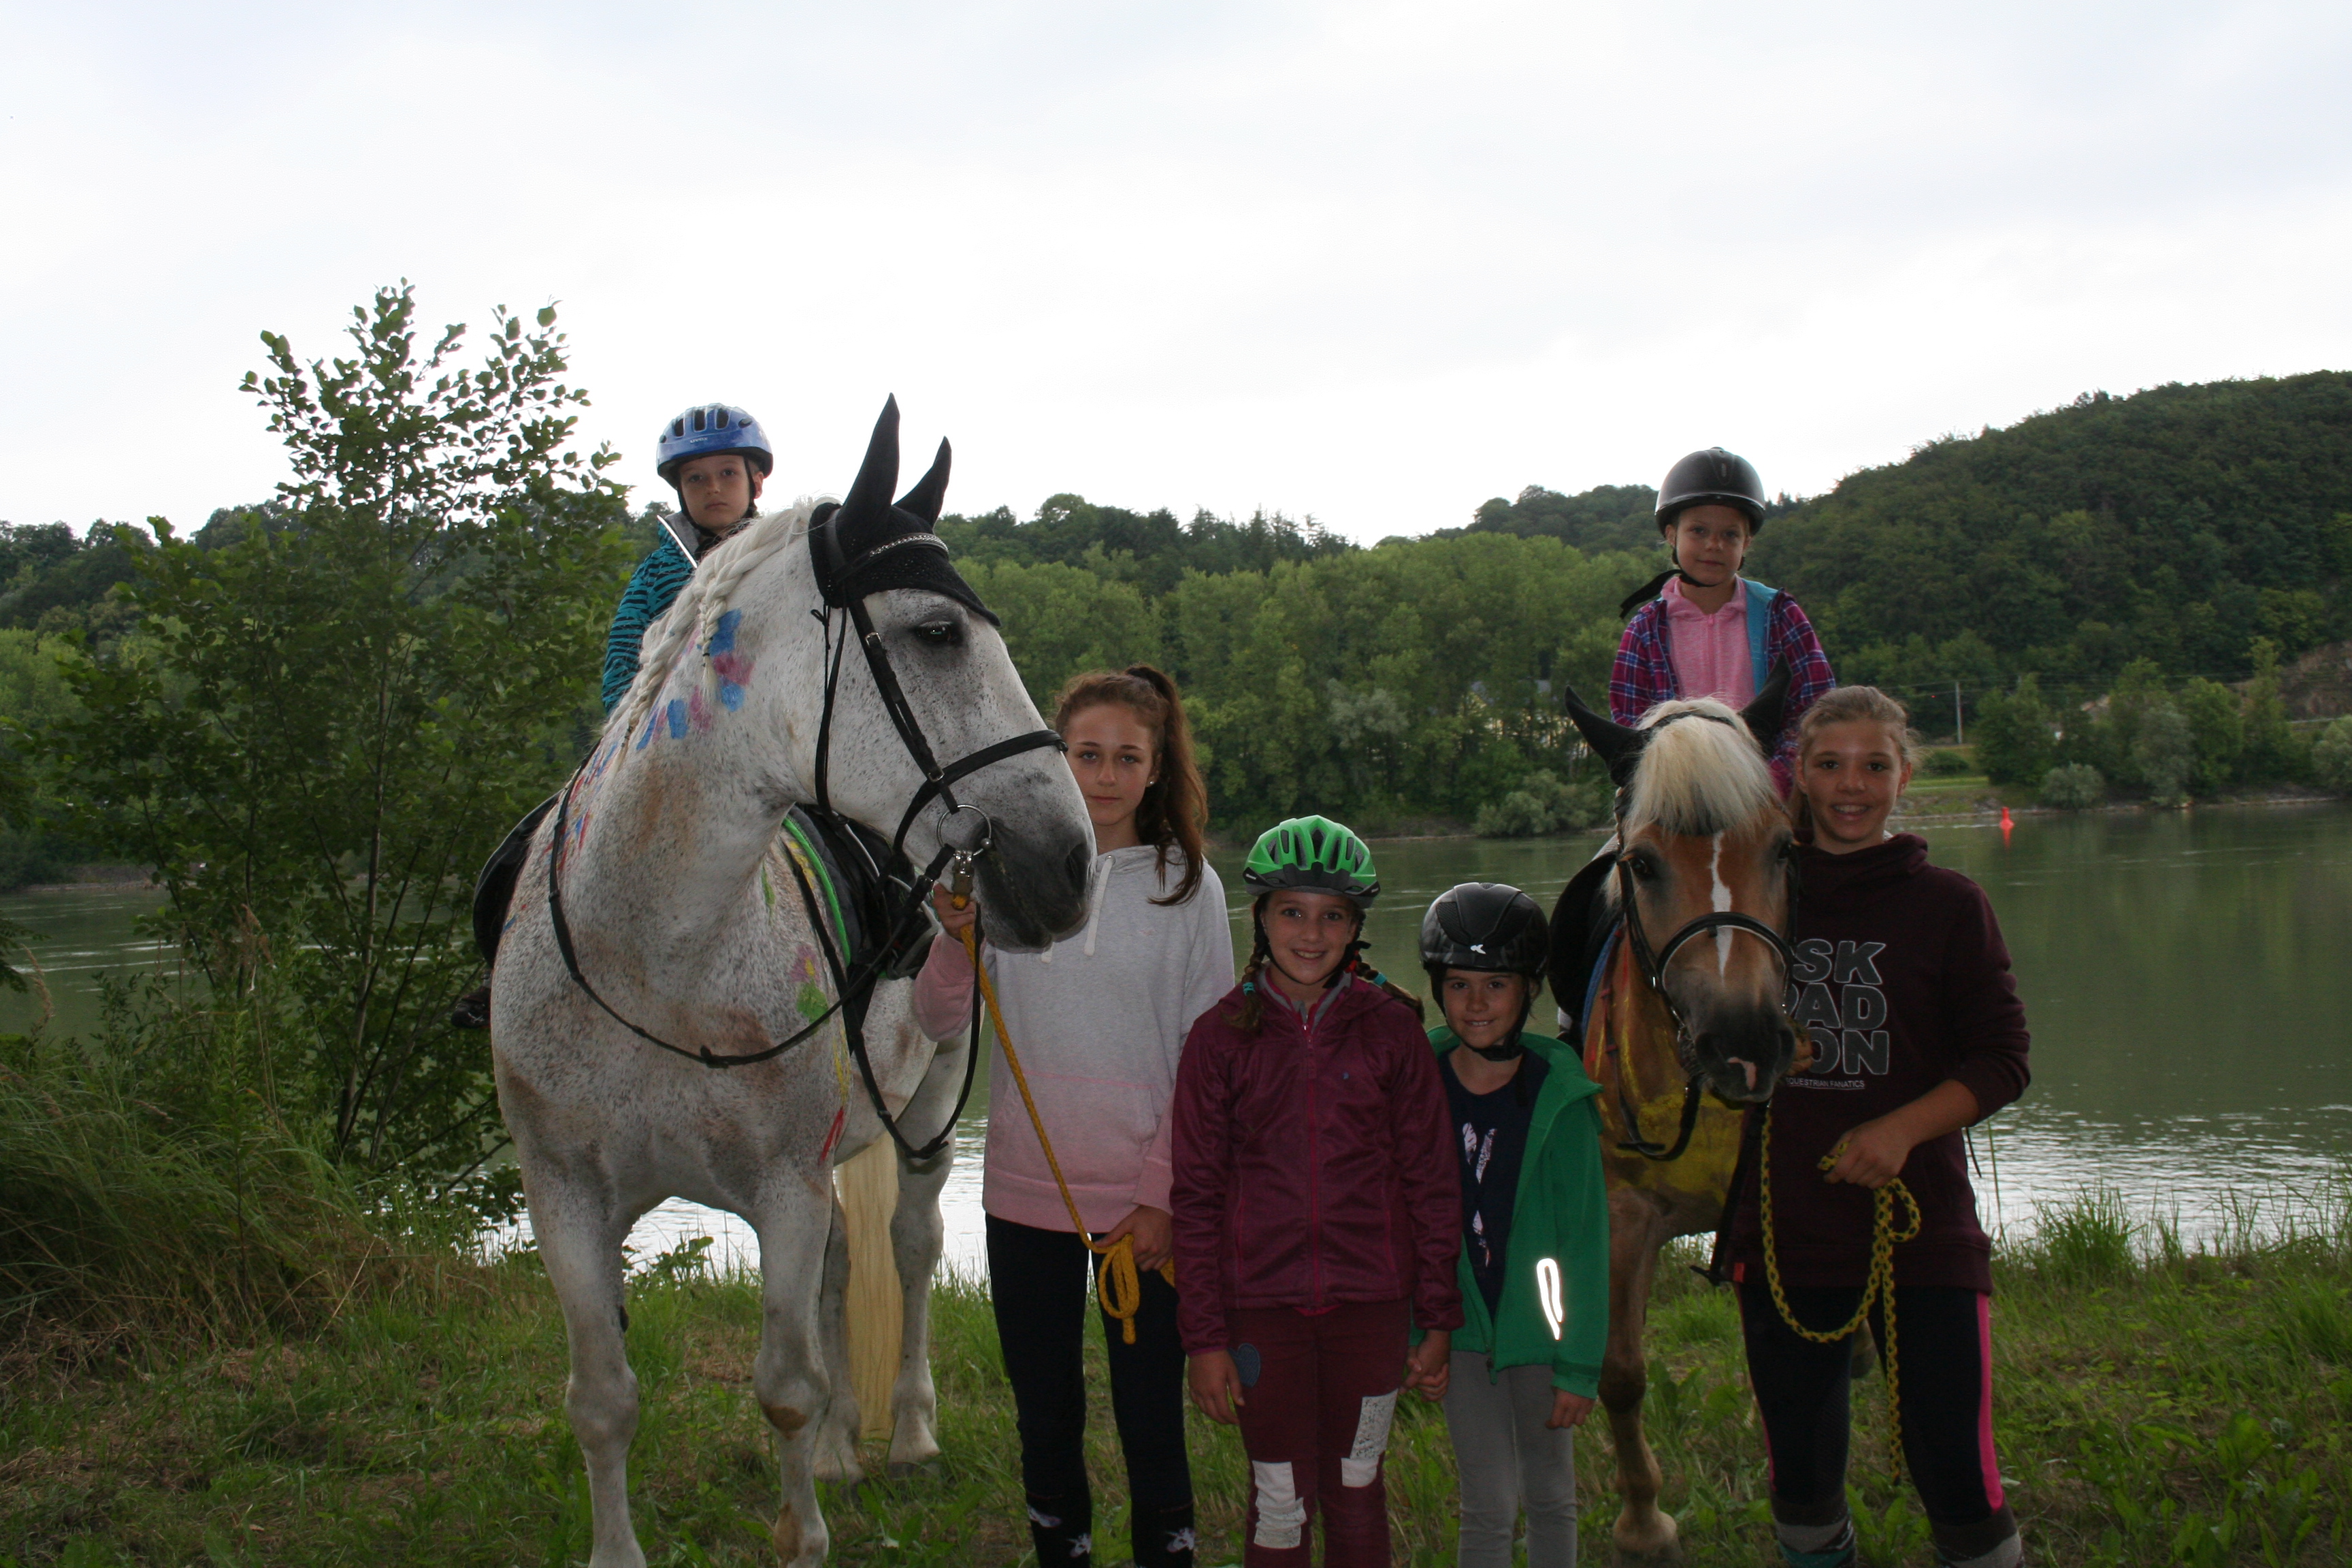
<point x="2155" y="1405"/>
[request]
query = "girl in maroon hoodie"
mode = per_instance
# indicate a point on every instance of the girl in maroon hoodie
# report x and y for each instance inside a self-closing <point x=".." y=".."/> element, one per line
<point x="1317" y="1209"/>
<point x="1903" y="982"/>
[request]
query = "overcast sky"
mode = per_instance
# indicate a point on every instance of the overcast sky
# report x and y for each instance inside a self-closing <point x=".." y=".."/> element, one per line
<point x="1369" y="262"/>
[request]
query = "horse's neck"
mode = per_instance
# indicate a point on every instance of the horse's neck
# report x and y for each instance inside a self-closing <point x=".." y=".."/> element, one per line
<point x="670" y="839"/>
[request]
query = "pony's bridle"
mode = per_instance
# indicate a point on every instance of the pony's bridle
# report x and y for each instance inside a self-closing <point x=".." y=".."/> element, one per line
<point x="1651" y="966"/>
<point x="853" y="983"/>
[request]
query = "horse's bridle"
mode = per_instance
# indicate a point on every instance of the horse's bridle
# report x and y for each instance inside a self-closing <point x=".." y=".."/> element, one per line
<point x="1652" y="965"/>
<point x="853" y="983"/>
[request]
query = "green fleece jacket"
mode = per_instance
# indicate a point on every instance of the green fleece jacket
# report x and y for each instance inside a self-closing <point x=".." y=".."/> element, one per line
<point x="1560" y="1212"/>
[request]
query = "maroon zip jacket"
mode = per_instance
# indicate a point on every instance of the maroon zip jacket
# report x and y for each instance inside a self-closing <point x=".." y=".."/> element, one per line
<point x="1904" y="982"/>
<point x="1312" y="1167"/>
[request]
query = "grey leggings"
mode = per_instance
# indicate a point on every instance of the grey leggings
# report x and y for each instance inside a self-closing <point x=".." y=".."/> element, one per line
<point x="1507" y="1457"/>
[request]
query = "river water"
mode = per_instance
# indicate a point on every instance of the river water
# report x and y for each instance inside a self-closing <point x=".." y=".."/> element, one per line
<point x="2187" y="976"/>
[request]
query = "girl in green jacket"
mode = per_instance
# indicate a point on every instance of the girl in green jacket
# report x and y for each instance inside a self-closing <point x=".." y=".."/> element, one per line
<point x="1534" y="1267"/>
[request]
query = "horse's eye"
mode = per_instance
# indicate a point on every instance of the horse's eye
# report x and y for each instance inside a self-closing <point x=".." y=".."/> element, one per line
<point x="1643" y="867"/>
<point x="938" y="634"/>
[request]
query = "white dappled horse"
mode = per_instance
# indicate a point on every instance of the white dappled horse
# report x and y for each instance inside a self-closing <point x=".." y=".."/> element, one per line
<point x="688" y="918"/>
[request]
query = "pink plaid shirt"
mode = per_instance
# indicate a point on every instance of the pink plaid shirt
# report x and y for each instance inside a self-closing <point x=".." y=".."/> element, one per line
<point x="1645" y="676"/>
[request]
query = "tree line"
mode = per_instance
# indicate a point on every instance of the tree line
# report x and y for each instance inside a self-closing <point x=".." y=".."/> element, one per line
<point x="314" y="717"/>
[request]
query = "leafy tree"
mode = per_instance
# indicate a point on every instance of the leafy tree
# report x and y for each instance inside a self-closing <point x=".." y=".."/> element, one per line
<point x="2331" y="759"/>
<point x="2217" y="726"/>
<point x="337" y="707"/>
<point x="2073" y="786"/>
<point x="2270" y="752"/>
<point x="2164" y="751"/>
<point x="2016" y="734"/>
<point x="1544" y="803"/>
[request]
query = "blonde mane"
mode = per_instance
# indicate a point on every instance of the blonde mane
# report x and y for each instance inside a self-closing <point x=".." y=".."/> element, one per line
<point x="1699" y="777"/>
<point x="693" y="616"/>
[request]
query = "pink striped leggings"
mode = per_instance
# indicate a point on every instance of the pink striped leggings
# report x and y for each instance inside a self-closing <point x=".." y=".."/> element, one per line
<point x="1943" y="1342"/>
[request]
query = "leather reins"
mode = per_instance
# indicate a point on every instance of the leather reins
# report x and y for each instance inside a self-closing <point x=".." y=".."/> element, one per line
<point x="853" y="983"/>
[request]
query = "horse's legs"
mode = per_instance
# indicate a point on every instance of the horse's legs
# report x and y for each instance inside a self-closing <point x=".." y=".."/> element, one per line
<point x="917" y="1236"/>
<point x="790" y="1373"/>
<point x="578" y="1236"/>
<point x="834" y="1448"/>
<point x="1637" y="1228"/>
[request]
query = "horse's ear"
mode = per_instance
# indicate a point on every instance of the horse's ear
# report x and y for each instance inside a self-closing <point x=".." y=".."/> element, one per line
<point x="1617" y="747"/>
<point x="1767" y="712"/>
<point x="931" y="491"/>
<point x="878" y="476"/>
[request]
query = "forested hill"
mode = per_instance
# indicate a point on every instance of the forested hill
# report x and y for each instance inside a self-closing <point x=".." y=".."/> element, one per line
<point x="2177" y="525"/>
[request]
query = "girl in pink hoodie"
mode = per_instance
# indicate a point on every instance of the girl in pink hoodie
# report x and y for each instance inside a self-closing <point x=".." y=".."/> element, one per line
<point x="1099" y="1019"/>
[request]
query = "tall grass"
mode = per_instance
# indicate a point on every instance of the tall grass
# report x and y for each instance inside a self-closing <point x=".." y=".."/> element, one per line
<point x="151" y="1190"/>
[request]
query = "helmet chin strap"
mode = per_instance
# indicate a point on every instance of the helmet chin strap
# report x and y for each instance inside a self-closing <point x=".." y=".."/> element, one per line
<point x="1513" y="1048"/>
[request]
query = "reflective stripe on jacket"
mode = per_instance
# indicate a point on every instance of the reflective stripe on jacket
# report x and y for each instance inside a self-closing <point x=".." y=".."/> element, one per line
<point x="1560" y="1212"/>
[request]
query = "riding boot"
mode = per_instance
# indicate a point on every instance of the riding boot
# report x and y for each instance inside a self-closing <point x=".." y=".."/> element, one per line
<point x="1828" y="1545"/>
<point x="1163" y="1537"/>
<point x="1062" y="1529"/>
<point x="472" y="1011"/>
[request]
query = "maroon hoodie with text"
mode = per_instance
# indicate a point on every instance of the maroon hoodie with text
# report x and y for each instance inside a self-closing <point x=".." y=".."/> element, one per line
<point x="1903" y="981"/>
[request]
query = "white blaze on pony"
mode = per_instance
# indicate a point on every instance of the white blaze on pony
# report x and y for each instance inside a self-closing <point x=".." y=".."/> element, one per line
<point x="688" y="918"/>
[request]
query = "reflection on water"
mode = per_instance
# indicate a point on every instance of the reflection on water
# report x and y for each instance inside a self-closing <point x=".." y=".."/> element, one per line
<point x="2185" y="974"/>
<point x="78" y="933"/>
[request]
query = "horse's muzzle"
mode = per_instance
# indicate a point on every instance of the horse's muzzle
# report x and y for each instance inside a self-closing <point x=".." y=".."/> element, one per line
<point x="1739" y="1056"/>
<point x="1034" y="894"/>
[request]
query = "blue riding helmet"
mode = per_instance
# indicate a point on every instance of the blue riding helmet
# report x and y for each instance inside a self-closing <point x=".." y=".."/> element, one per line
<point x="708" y="429"/>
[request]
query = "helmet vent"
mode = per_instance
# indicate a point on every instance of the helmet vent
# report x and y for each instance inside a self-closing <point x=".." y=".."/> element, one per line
<point x="721" y="420"/>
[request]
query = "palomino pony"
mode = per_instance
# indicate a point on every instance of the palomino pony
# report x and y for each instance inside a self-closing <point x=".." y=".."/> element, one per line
<point x="668" y="1011"/>
<point x="1686" y="1024"/>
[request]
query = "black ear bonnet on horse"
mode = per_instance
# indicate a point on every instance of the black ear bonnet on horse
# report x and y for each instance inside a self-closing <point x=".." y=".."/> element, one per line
<point x="870" y="543"/>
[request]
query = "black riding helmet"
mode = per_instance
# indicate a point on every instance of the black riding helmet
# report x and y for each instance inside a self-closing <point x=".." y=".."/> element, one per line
<point x="1487" y="927"/>
<point x="1711" y="477"/>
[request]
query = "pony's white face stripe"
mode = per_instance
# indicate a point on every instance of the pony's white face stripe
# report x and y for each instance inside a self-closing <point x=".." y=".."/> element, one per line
<point x="1722" y="901"/>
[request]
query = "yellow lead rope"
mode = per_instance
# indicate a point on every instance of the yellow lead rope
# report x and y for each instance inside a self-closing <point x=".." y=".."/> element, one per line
<point x="1118" y="1285"/>
<point x="1880" y="1285"/>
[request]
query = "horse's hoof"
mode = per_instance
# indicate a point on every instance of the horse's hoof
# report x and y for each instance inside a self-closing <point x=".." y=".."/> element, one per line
<point x="1662" y="1547"/>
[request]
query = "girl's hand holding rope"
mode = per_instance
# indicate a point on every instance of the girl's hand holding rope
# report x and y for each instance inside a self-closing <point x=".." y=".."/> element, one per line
<point x="1874" y="1154"/>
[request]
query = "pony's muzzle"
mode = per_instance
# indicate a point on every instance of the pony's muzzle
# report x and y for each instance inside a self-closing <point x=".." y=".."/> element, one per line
<point x="1740" y="1059"/>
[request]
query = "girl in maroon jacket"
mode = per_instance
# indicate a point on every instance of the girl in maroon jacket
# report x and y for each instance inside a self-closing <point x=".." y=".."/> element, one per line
<point x="1903" y="982"/>
<point x="1317" y="1209"/>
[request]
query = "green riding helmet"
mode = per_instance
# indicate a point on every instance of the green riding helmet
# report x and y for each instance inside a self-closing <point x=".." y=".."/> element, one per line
<point x="1314" y="853"/>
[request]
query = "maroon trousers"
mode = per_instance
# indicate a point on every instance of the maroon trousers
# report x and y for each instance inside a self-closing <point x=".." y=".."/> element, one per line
<point x="1317" y="1395"/>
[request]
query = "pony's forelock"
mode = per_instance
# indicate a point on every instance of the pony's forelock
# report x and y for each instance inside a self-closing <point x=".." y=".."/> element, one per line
<point x="693" y="616"/>
<point x="1701" y="776"/>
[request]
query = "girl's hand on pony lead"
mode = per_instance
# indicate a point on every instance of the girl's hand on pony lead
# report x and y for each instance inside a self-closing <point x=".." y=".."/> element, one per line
<point x="1568" y="1409"/>
<point x="1872" y="1154"/>
<point x="1216" y="1385"/>
<point x="1429" y="1364"/>
<point x="951" y="918"/>
<point x="1155" y="1236"/>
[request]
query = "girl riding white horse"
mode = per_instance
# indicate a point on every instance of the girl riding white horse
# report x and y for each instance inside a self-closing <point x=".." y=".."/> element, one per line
<point x="691" y="943"/>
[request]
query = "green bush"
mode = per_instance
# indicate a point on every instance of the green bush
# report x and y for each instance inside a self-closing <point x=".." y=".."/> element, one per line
<point x="2073" y="786"/>
<point x="2331" y="759"/>
<point x="2017" y="734"/>
<point x="1543" y="803"/>
<point x="1947" y="764"/>
<point x="2164" y="751"/>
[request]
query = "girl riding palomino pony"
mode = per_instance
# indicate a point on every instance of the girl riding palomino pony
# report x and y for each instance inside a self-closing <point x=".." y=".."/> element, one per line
<point x="1668" y="954"/>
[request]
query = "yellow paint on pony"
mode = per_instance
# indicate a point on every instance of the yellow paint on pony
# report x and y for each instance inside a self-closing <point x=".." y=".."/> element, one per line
<point x="1630" y="1040"/>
